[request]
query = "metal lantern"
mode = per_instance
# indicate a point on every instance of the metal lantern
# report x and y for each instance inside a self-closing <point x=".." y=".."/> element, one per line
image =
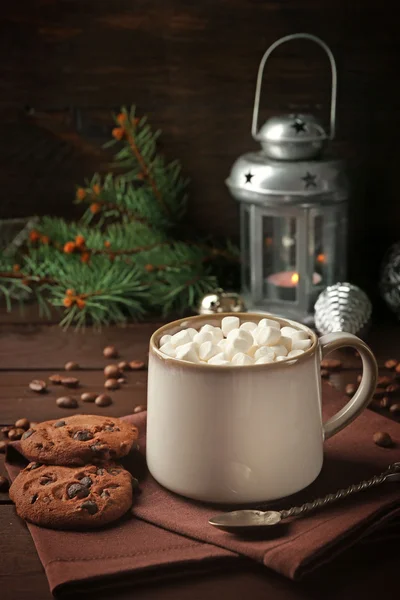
<point x="293" y="208"/>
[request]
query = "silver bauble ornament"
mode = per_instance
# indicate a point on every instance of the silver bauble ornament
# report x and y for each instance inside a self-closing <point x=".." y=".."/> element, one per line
<point x="389" y="284"/>
<point x="343" y="307"/>
<point x="221" y="302"/>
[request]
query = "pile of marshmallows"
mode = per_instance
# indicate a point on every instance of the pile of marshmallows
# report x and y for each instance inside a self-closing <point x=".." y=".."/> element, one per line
<point x="236" y="344"/>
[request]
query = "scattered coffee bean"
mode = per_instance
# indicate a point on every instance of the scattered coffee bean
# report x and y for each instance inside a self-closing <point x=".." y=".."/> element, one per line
<point x="15" y="434"/>
<point x="393" y="388"/>
<point x="384" y="380"/>
<point x="110" y="352"/>
<point x="38" y="386"/>
<point x="56" y="379"/>
<point x="139" y="409"/>
<point x="66" y="402"/>
<point x="136" y="365"/>
<point x="395" y="408"/>
<point x="86" y="481"/>
<point x="34" y="498"/>
<point x="111" y="384"/>
<point x="332" y="364"/>
<point x="3" y="447"/>
<point x="383" y="439"/>
<point x="71" y="366"/>
<point x="90" y="506"/>
<point x="27" y="434"/>
<point x="76" y="490"/>
<point x="103" y="400"/>
<point x="83" y="436"/>
<point x="324" y="373"/>
<point x="359" y="377"/>
<point x="123" y="366"/>
<point x="6" y="429"/>
<point x="4" y="484"/>
<point x="88" y="397"/>
<point x="121" y="380"/>
<point x="384" y="402"/>
<point x="71" y="382"/>
<point x="22" y="423"/>
<point x="391" y="364"/>
<point x="111" y="371"/>
<point x="350" y="389"/>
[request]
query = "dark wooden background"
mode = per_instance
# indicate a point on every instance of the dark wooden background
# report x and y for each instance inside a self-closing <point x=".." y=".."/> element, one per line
<point x="191" y="65"/>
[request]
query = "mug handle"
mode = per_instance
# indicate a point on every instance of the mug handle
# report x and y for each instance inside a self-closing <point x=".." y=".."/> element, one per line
<point x="363" y="396"/>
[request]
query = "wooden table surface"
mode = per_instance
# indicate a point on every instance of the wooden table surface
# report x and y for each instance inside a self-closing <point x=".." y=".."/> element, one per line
<point x="30" y="350"/>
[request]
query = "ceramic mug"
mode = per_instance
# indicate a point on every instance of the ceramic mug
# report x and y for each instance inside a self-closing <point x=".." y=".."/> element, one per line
<point x="247" y="434"/>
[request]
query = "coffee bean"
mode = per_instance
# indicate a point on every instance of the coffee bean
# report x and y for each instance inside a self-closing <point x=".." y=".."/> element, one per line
<point x="383" y="439"/>
<point x="15" y="434"/>
<point x="110" y="352"/>
<point x="111" y="371"/>
<point x="139" y="409"/>
<point x="136" y="365"/>
<point x="392" y="388"/>
<point x="71" y="382"/>
<point x="111" y="384"/>
<point x="33" y="466"/>
<point x="397" y="368"/>
<point x="4" y="484"/>
<point x="350" y="389"/>
<point x="103" y="400"/>
<point x="384" y="402"/>
<point x="121" y="380"/>
<point x="56" y="379"/>
<point x="83" y="436"/>
<point x="395" y="408"/>
<point x="90" y="506"/>
<point x="86" y="481"/>
<point x="6" y="429"/>
<point x="76" y="490"/>
<point x="66" y="402"/>
<point x="384" y="381"/>
<point x="59" y="424"/>
<point x="123" y="366"/>
<point x="391" y="364"/>
<point x="22" y="423"/>
<point x="34" y="498"/>
<point x="38" y="386"/>
<point x="332" y="364"/>
<point x="88" y="397"/>
<point x="71" y="366"/>
<point x="27" y="434"/>
<point x="324" y="373"/>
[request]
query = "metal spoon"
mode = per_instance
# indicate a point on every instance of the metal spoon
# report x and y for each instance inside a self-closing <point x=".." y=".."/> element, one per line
<point x="241" y="521"/>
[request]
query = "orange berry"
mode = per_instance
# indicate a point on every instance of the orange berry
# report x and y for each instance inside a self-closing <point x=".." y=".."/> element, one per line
<point x="34" y="235"/>
<point x="95" y="208"/>
<point x="80" y="303"/>
<point x="16" y="268"/>
<point x="68" y="302"/>
<point x="70" y="292"/>
<point x="96" y="189"/>
<point x="45" y="240"/>
<point x="69" y="247"/>
<point x="149" y="268"/>
<point x="118" y="133"/>
<point x="79" y="241"/>
<point x="85" y="257"/>
<point x="121" y="118"/>
<point x="80" y="194"/>
<point x="107" y="244"/>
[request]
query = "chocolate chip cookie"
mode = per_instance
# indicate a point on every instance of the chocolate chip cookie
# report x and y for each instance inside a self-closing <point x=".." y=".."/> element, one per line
<point x="78" y="440"/>
<point x="72" y="497"/>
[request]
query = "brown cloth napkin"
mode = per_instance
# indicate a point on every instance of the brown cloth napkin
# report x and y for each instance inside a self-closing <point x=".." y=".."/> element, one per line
<point x="171" y="534"/>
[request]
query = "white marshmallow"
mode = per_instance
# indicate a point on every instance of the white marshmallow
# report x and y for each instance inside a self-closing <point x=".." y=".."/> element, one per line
<point x="218" y="335"/>
<point x="242" y="334"/>
<point x="242" y="359"/>
<point x="207" y="327"/>
<point x="253" y="349"/>
<point x="267" y="336"/>
<point x="222" y="344"/>
<point x="279" y="350"/>
<point x="228" y="324"/>
<point x="301" y="344"/>
<point x="168" y="349"/>
<point x="299" y="335"/>
<point x="264" y="351"/>
<point x="288" y="331"/>
<point x="269" y="323"/>
<point x="264" y="360"/>
<point x="207" y="350"/>
<point x="295" y="353"/>
<point x="279" y="358"/>
<point x="219" y="359"/>
<point x="238" y="341"/>
<point x="287" y="342"/>
<point x="165" y="339"/>
<point x="248" y="326"/>
<point x="180" y="338"/>
<point x="191" y="331"/>
<point x="203" y="336"/>
<point x="187" y="352"/>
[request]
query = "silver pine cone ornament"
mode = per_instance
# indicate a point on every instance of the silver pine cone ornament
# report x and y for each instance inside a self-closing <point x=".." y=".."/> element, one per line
<point x="390" y="279"/>
<point x="342" y="307"/>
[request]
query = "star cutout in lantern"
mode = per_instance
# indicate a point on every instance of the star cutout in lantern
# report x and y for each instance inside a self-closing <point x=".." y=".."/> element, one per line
<point x="298" y="125"/>
<point x="309" y="180"/>
<point x="249" y="176"/>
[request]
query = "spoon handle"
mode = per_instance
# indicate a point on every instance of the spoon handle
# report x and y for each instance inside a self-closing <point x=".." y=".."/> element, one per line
<point x="297" y="511"/>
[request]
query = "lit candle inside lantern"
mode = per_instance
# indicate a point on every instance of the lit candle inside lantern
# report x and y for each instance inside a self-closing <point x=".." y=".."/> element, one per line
<point x="282" y="286"/>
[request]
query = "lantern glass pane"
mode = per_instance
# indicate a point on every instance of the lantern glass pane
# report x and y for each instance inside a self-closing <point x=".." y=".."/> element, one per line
<point x="245" y="248"/>
<point x="279" y="258"/>
<point x="329" y="250"/>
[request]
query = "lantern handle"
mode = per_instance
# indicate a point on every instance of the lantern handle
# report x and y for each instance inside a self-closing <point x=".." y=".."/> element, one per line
<point x="288" y="38"/>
